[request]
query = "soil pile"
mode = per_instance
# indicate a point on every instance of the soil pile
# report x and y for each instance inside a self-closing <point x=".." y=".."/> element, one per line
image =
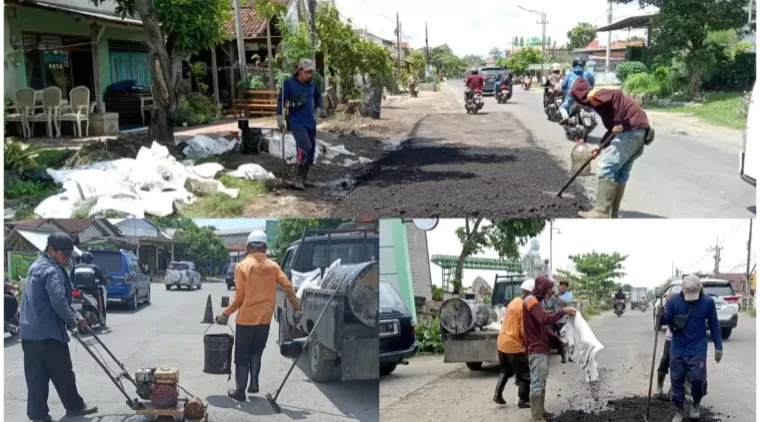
<point x="632" y="409"/>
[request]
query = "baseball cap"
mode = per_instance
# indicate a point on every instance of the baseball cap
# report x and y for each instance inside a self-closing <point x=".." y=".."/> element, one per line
<point x="61" y="242"/>
<point x="691" y="286"/>
<point x="528" y="284"/>
<point x="306" y="64"/>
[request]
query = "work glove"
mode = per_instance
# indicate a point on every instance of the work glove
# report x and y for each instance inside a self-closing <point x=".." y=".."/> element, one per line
<point x="297" y="315"/>
<point x="222" y="319"/>
<point x="660" y="311"/>
<point x="317" y="112"/>
<point x="718" y="355"/>
<point x="280" y="123"/>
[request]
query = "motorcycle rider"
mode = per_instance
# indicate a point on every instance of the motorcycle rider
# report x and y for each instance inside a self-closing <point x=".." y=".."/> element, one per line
<point x="504" y="77"/>
<point x="528" y="77"/>
<point x="620" y="297"/>
<point x="474" y="83"/>
<point x="88" y="277"/>
<point x="553" y="83"/>
<point x="579" y="65"/>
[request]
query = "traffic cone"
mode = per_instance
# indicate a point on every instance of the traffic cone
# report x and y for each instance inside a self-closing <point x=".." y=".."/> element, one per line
<point x="208" y="317"/>
<point x="225" y="301"/>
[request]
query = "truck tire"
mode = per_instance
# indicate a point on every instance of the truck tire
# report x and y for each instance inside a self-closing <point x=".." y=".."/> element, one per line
<point x="320" y="366"/>
<point x="726" y="333"/>
<point x="386" y="370"/>
<point x="474" y="366"/>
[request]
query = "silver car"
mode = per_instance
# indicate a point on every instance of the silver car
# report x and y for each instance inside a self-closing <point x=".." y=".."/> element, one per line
<point x="726" y="302"/>
<point x="182" y="274"/>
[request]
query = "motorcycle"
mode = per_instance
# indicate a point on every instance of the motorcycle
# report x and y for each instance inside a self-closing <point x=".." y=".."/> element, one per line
<point x="619" y="308"/>
<point x="552" y="105"/>
<point x="414" y="90"/>
<point x="87" y="305"/>
<point x="504" y="94"/>
<point x="526" y="83"/>
<point x="12" y="326"/>
<point x="474" y="102"/>
<point x="643" y="306"/>
<point x="581" y="123"/>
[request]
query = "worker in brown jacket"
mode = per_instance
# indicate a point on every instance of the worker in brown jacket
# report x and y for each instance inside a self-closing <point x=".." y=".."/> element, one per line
<point x="256" y="280"/>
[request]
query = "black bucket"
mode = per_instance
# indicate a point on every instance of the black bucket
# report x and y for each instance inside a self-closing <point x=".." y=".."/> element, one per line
<point x="218" y="352"/>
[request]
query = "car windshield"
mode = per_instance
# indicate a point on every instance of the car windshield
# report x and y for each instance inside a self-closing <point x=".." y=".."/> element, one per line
<point x="390" y="300"/>
<point x="108" y="261"/>
<point x="179" y="266"/>
<point x="505" y="292"/>
<point x="490" y="71"/>
<point x="350" y="251"/>
<point x="718" y="290"/>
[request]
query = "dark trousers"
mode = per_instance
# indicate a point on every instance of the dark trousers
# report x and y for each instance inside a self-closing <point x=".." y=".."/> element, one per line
<point x="695" y="367"/>
<point x="516" y="364"/>
<point x="11" y="306"/>
<point x="306" y="144"/>
<point x="250" y="340"/>
<point x="45" y="361"/>
<point x="665" y="360"/>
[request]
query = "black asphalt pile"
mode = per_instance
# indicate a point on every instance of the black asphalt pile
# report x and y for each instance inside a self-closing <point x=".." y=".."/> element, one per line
<point x="631" y="409"/>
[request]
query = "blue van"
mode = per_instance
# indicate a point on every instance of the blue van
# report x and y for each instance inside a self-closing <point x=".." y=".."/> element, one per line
<point x="128" y="280"/>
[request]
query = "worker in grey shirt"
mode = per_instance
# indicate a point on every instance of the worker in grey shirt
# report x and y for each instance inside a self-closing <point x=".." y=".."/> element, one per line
<point x="46" y="317"/>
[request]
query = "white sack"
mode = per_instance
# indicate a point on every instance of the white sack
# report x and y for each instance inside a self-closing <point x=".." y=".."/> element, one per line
<point x="494" y="326"/>
<point x="107" y="205"/>
<point x="303" y="280"/>
<point x="251" y="171"/>
<point x="581" y="345"/>
<point x="206" y="170"/>
<point x="202" y="146"/>
<point x="209" y="187"/>
<point x="159" y="204"/>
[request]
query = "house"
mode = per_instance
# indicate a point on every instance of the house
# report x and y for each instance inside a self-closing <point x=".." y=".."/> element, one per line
<point x="154" y="247"/>
<point x="619" y="51"/>
<point x="80" y="229"/>
<point x="70" y="43"/>
<point x="235" y="239"/>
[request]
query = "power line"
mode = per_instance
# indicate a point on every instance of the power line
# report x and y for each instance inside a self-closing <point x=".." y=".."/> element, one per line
<point x="719" y="244"/>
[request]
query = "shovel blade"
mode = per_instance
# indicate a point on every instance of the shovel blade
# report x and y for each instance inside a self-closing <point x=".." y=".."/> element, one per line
<point x="273" y="403"/>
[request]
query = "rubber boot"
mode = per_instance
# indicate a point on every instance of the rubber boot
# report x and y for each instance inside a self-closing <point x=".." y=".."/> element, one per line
<point x="694" y="412"/>
<point x="86" y="410"/>
<point x="298" y="182"/>
<point x="562" y="352"/>
<point x="497" y="395"/>
<point x="679" y="416"/>
<point x="306" y="174"/>
<point x="605" y="196"/>
<point x="660" y="384"/>
<point x="523" y="392"/>
<point x="536" y="409"/>
<point x="255" y="368"/>
<point x="45" y="419"/>
<point x="615" y="212"/>
<point x="241" y="379"/>
<point x="545" y="413"/>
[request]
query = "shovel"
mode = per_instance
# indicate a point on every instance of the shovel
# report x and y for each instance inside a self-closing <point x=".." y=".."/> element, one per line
<point x="606" y="140"/>
<point x="651" y="372"/>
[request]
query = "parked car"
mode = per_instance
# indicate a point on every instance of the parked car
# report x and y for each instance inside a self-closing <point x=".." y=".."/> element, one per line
<point x="182" y="274"/>
<point x="726" y="303"/>
<point x="128" y="280"/>
<point x="229" y="277"/>
<point x="397" y="339"/>
<point x="748" y="157"/>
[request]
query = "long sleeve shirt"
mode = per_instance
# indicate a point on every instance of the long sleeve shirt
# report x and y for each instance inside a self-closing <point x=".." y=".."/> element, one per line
<point x="693" y="340"/>
<point x="256" y="280"/>
<point x="302" y="99"/>
<point x="46" y="310"/>
<point x="565" y="300"/>
<point x="535" y="320"/>
<point x="616" y="108"/>
<point x="511" y="338"/>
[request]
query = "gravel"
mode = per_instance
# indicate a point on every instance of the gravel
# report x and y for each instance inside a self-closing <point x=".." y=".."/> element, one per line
<point x="631" y="409"/>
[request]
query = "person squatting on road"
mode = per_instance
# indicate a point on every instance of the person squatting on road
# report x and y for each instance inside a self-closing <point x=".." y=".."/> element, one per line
<point x="579" y="71"/>
<point x="535" y="322"/>
<point x="304" y="102"/>
<point x="88" y="277"/>
<point x="662" y="369"/>
<point x="685" y="314"/>
<point x="46" y="317"/>
<point x="624" y="118"/>
<point x="513" y="358"/>
<point x="256" y="279"/>
<point x="473" y="83"/>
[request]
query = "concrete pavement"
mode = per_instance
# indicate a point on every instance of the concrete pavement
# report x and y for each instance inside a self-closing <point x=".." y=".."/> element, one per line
<point x="452" y="392"/>
<point x="169" y="333"/>
<point x="690" y="171"/>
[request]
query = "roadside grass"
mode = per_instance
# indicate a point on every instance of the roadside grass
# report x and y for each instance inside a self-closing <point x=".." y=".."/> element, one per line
<point x="720" y="109"/>
<point x="590" y="312"/>
<point x="221" y="205"/>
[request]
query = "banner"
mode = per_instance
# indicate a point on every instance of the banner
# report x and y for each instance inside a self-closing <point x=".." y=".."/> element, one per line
<point x="18" y="264"/>
<point x="581" y="345"/>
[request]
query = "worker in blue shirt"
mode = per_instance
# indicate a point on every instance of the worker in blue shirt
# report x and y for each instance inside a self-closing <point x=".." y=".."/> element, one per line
<point x="685" y="314"/>
<point x="304" y="103"/>
<point x="46" y="317"/>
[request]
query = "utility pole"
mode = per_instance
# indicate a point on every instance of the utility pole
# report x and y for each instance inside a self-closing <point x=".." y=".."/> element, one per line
<point x="428" y="70"/>
<point x="398" y="45"/>
<point x="609" y="41"/>
<point x="749" y="254"/>
<point x="716" y="255"/>
<point x="543" y="41"/>
<point x="240" y="42"/>
<point x="337" y="84"/>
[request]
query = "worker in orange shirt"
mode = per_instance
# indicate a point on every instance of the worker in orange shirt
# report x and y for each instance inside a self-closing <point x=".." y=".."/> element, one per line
<point x="512" y="356"/>
<point x="256" y="280"/>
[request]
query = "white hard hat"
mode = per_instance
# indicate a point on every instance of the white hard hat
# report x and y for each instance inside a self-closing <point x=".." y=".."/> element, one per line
<point x="556" y="66"/>
<point x="257" y="236"/>
<point x="528" y="284"/>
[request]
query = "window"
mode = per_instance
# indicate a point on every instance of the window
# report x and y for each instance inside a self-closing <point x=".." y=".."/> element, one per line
<point x="718" y="290"/>
<point x="288" y="258"/>
<point x="348" y="253"/>
<point x="48" y="60"/>
<point x="108" y="261"/>
<point x="390" y="300"/>
<point x="180" y="266"/>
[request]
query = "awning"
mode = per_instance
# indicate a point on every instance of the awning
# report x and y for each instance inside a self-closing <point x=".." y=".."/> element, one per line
<point x="633" y="22"/>
<point x="87" y="13"/>
<point x="37" y="238"/>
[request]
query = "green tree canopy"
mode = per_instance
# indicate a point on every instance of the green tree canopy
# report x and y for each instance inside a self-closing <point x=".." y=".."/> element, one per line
<point x="203" y="246"/>
<point x="446" y="62"/>
<point x="519" y="61"/>
<point x="596" y="273"/>
<point x="472" y="60"/>
<point x="581" y="35"/>
<point x="494" y="53"/>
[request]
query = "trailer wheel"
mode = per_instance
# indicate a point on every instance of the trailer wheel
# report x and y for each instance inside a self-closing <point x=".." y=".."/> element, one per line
<point x="321" y="366"/>
<point x="386" y="370"/>
<point x="474" y="366"/>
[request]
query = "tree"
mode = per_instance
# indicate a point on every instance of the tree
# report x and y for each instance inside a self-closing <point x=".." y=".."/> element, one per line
<point x="596" y="272"/>
<point x="446" y="62"/>
<point x="494" y="53"/>
<point x="291" y="229"/>
<point x="472" y="60"/>
<point x="503" y="236"/>
<point x="417" y="65"/>
<point x="269" y="10"/>
<point x="533" y="42"/>
<point x="203" y="246"/>
<point x="342" y="43"/>
<point x="174" y="223"/>
<point x="682" y="26"/>
<point x="519" y="61"/>
<point x="581" y="35"/>
<point x="627" y="288"/>
<point x="174" y="29"/>
<point x="522" y="42"/>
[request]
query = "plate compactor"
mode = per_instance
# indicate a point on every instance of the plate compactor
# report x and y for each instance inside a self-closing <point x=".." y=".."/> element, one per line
<point x="158" y="388"/>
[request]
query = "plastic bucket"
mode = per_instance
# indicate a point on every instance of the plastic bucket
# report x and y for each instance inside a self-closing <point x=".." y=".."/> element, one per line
<point x="217" y="350"/>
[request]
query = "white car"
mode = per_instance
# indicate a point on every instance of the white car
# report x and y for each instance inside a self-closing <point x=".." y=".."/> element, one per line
<point x="748" y="162"/>
<point x="726" y="303"/>
<point x="182" y="274"/>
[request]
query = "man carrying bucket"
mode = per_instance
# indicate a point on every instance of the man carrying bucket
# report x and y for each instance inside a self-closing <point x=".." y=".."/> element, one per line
<point x="256" y="280"/>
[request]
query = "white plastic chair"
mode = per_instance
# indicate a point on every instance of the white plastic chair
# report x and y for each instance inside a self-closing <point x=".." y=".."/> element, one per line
<point x="79" y="110"/>
<point x="51" y="108"/>
<point x="24" y="103"/>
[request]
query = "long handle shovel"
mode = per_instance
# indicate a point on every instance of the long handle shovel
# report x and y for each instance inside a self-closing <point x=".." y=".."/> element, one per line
<point x="651" y="373"/>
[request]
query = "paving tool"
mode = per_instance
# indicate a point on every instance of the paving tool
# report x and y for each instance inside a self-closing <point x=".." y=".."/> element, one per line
<point x="606" y="140"/>
<point x="294" y="349"/>
<point x="158" y="387"/>
<point x="651" y="372"/>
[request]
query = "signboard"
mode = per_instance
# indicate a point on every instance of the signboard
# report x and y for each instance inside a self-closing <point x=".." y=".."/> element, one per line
<point x="18" y="264"/>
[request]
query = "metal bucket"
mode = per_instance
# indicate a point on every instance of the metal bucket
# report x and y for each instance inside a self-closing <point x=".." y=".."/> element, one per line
<point x="218" y="352"/>
<point x="578" y="156"/>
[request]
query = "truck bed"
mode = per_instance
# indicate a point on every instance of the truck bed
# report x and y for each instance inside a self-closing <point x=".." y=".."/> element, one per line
<point x="475" y="346"/>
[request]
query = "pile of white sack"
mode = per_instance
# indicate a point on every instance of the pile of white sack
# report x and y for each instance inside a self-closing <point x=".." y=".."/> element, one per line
<point x="302" y="281"/>
<point x="154" y="181"/>
<point x="581" y="345"/>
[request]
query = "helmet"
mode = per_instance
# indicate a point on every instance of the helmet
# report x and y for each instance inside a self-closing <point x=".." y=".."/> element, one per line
<point x="556" y="67"/>
<point x="257" y="236"/>
<point x="579" y="61"/>
<point x="528" y="284"/>
<point x="474" y="70"/>
<point x="88" y="257"/>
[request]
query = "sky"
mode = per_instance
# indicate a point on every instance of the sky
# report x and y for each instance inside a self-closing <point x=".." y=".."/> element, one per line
<point x="475" y="30"/>
<point x="653" y="246"/>
<point x="232" y="223"/>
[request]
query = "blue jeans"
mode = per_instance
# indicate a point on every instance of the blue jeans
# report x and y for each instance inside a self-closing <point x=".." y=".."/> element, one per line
<point x="496" y="86"/>
<point x="306" y="144"/>
<point x="696" y="368"/>
<point x="539" y="372"/>
<point x="618" y="158"/>
<point x="565" y="109"/>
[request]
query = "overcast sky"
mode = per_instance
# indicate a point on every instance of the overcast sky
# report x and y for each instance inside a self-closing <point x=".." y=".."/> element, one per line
<point x="652" y="246"/>
<point x="475" y="30"/>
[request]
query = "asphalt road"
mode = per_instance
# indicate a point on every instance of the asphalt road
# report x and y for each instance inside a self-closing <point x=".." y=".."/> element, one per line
<point x="690" y="171"/>
<point x="169" y="333"/>
<point x="429" y="390"/>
